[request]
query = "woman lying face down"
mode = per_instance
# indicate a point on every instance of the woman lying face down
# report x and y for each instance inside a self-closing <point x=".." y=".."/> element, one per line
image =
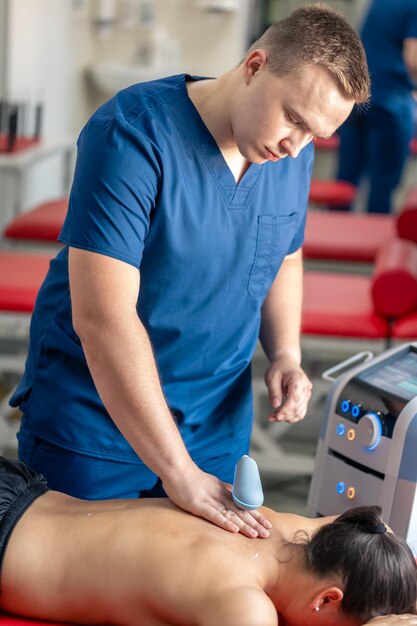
<point x="148" y="563"/>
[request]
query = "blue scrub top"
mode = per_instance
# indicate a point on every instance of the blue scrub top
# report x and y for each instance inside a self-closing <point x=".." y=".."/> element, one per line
<point x="152" y="189"/>
<point x="386" y="25"/>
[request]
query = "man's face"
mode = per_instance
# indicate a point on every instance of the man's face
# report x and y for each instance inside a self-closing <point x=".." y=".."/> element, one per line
<point x="276" y="116"/>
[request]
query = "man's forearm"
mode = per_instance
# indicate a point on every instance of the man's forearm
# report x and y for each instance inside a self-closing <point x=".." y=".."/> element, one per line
<point x="281" y="311"/>
<point x="122" y="364"/>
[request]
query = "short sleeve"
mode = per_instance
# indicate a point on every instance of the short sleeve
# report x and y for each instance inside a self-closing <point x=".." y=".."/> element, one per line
<point x="114" y="191"/>
<point x="411" y="22"/>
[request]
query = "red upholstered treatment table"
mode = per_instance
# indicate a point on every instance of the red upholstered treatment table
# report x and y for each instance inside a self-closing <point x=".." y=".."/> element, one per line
<point x="406" y="327"/>
<point x="331" y="193"/>
<point x="21" y="275"/>
<point x="340" y="306"/>
<point x="353" y="237"/>
<point x="346" y="236"/>
<point x="329" y="144"/>
<point x="43" y="223"/>
<point x="13" y="620"/>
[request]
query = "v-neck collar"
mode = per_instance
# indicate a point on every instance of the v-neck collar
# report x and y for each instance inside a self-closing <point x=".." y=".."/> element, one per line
<point x="235" y="194"/>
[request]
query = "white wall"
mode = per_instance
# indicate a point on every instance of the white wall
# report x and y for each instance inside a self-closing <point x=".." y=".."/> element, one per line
<point x="38" y="64"/>
<point x="208" y="44"/>
<point x="3" y="32"/>
<point x="39" y="60"/>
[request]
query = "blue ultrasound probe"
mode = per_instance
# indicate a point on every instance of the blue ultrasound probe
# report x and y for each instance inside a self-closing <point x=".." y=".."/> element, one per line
<point x="247" y="487"/>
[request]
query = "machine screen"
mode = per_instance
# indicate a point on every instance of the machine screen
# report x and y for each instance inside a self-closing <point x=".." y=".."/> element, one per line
<point x="397" y="376"/>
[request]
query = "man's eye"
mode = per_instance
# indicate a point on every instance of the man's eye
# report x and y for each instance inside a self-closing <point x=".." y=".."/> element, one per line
<point x="293" y="121"/>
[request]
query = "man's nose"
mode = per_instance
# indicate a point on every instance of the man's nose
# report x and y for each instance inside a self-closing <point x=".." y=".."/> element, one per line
<point x="294" y="143"/>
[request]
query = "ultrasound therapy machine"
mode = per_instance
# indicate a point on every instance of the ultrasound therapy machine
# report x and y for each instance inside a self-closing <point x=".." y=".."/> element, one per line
<point x="367" y="451"/>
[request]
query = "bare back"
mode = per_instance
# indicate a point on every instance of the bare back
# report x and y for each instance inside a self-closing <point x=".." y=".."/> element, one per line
<point x="128" y="562"/>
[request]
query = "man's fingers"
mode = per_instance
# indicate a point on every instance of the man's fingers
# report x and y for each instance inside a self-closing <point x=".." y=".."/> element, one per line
<point x="278" y="406"/>
<point x="261" y="519"/>
<point x="248" y="525"/>
<point x="276" y="394"/>
<point x="244" y="528"/>
<point x="211" y="499"/>
<point x="291" y="412"/>
<point x="295" y="406"/>
<point x="220" y="519"/>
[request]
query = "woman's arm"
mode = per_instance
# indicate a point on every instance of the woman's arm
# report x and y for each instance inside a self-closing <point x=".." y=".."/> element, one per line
<point x="245" y="606"/>
<point x="393" y="620"/>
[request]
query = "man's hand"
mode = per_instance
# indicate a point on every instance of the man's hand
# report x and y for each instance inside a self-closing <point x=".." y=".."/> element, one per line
<point x="206" y="496"/>
<point x="393" y="620"/>
<point x="289" y="390"/>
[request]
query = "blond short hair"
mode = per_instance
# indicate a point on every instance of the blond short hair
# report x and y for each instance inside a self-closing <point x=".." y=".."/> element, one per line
<point x="316" y="34"/>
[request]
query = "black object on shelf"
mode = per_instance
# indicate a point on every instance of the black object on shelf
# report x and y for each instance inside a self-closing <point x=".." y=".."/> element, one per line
<point x="20" y="124"/>
<point x="12" y="127"/>
<point x="38" y="121"/>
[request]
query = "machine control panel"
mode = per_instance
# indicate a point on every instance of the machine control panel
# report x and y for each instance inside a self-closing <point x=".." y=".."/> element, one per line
<point x="366" y="452"/>
<point x="373" y="416"/>
<point x="361" y="442"/>
<point x="361" y="426"/>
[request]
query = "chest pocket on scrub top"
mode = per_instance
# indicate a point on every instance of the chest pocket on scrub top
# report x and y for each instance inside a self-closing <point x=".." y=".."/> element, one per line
<point x="273" y="239"/>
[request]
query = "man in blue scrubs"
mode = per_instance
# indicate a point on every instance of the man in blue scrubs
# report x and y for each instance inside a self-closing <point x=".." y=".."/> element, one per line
<point x="375" y="143"/>
<point x="183" y="241"/>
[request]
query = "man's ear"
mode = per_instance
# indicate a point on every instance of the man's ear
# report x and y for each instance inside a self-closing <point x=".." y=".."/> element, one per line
<point x="254" y="62"/>
<point x="329" y="598"/>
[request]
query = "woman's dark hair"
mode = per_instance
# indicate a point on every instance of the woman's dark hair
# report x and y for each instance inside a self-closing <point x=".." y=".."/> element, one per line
<point x="376" y="567"/>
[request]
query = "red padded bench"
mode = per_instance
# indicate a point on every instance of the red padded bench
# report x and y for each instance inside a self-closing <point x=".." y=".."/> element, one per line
<point x="346" y="305"/>
<point x="340" y="306"/>
<point x="344" y="236"/>
<point x="331" y="193"/>
<point x="6" y="619"/>
<point x="405" y="328"/>
<point x="21" y="275"/>
<point x="341" y="236"/>
<point x="331" y="144"/>
<point x="43" y="223"/>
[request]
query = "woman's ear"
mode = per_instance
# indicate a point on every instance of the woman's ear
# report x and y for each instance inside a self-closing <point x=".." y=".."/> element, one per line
<point x="329" y="598"/>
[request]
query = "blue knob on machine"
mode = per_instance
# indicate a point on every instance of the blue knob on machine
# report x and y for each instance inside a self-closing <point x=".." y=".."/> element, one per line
<point x="340" y="487"/>
<point x="356" y="410"/>
<point x="370" y="430"/>
<point x="247" y="487"/>
<point x="341" y="428"/>
<point x="345" y="406"/>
